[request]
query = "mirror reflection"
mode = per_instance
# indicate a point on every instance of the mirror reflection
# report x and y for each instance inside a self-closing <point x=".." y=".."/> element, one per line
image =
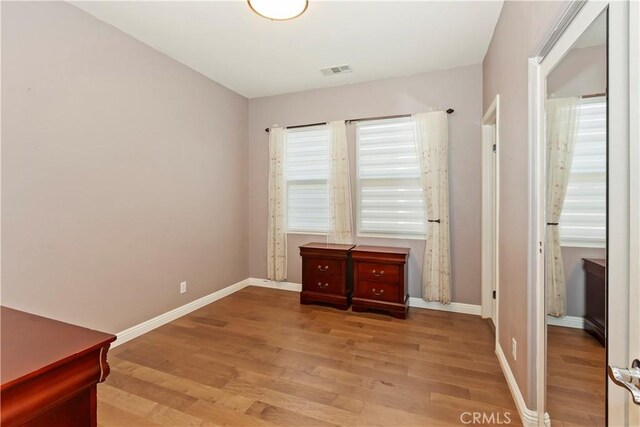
<point x="576" y="231"/>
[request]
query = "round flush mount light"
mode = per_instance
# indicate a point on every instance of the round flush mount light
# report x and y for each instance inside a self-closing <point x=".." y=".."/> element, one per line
<point x="278" y="10"/>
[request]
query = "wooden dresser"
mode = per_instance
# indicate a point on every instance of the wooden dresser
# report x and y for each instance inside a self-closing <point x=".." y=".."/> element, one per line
<point x="380" y="279"/>
<point x="326" y="274"/>
<point x="596" y="296"/>
<point x="49" y="371"/>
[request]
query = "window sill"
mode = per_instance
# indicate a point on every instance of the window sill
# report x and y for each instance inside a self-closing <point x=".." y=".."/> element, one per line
<point x="308" y="233"/>
<point x="391" y="236"/>
<point x="361" y="235"/>
<point x="591" y="245"/>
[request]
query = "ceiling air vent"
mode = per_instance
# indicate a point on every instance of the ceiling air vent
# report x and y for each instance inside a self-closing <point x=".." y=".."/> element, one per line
<point x="337" y="69"/>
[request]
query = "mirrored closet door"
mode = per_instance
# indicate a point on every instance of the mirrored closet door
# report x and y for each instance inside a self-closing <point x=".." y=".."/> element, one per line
<point x="576" y="231"/>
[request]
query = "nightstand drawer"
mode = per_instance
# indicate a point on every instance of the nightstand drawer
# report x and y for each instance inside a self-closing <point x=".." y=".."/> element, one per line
<point x="327" y="285"/>
<point x="377" y="291"/>
<point x="322" y="266"/>
<point x="379" y="272"/>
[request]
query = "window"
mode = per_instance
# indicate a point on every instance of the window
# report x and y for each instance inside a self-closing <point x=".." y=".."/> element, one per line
<point x="584" y="214"/>
<point x="306" y="173"/>
<point x="390" y="201"/>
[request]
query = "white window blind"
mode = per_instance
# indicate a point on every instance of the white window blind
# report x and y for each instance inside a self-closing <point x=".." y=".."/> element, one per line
<point x="306" y="171"/>
<point x="584" y="213"/>
<point x="390" y="200"/>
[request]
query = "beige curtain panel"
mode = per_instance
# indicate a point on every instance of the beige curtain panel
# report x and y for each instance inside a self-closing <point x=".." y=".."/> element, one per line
<point x="277" y="224"/>
<point x="339" y="185"/>
<point x="433" y="150"/>
<point x="562" y="126"/>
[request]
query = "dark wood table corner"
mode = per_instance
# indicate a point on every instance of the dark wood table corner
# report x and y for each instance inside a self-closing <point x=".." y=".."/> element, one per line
<point x="49" y="370"/>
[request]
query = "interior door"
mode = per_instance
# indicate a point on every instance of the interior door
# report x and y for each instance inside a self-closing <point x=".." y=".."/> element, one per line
<point x="634" y="107"/>
<point x="624" y="205"/>
<point x="623" y="185"/>
<point x="629" y="403"/>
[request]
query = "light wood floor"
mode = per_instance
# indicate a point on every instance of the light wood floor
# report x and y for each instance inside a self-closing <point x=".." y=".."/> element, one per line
<point x="576" y="375"/>
<point x="259" y="358"/>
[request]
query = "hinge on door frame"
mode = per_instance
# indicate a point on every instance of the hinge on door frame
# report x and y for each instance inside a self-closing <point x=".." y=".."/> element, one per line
<point x="494" y="294"/>
<point x="494" y="148"/>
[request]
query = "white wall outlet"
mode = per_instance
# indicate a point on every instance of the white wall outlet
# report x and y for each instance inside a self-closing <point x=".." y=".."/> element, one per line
<point x="183" y="287"/>
<point x="514" y="348"/>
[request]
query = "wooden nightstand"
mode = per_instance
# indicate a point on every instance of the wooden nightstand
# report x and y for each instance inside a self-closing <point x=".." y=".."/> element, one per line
<point x="380" y="279"/>
<point x="326" y="274"/>
<point x="596" y="296"/>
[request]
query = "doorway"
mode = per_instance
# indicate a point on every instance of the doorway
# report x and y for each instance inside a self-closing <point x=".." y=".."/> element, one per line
<point x="490" y="209"/>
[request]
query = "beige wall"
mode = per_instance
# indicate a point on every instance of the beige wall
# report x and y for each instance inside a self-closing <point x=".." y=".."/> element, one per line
<point x="459" y="88"/>
<point x="521" y="27"/>
<point x="123" y="173"/>
<point x="574" y="275"/>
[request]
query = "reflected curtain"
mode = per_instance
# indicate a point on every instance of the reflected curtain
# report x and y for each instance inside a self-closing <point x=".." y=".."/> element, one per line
<point x="277" y="224"/>
<point x="339" y="185"/>
<point x="562" y="126"/>
<point x="431" y="134"/>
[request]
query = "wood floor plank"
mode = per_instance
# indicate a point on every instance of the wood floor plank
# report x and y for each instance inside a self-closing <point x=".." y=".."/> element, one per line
<point x="179" y="384"/>
<point x="280" y="416"/>
<point x="576" y="378"/>
<point x="145" y="408"/>
<point x="151" y="391"/>
<point x="379" y="415"/>
<point x="115" y="416"/>
<point x="222" y="416"/>
<point x="257" y="357"/>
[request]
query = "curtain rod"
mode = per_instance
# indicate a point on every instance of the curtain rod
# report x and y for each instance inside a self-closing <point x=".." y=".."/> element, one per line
<point x="587" y="96"/>
<point x="594" y="95"/>
<point x="362" y="119"/>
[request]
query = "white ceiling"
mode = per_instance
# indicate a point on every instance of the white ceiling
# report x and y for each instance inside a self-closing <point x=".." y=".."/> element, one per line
<point x="227" y="42"/>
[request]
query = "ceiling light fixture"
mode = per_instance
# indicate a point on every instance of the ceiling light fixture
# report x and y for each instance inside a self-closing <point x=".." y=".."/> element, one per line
<point x="278" y="10"/>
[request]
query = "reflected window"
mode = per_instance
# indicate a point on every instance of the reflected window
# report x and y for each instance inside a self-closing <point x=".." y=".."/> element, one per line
<point x="584" y="215"/>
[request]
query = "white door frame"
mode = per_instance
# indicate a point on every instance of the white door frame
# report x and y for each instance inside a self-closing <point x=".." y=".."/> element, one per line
<point x="490" y="210"/>
<point x="619" y="270"/>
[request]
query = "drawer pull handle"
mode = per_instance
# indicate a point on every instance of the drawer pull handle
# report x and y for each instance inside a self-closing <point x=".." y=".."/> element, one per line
<point x="320" y="285"/>
<point x="377" y="293"/>
<point x="326" y="267"/>
<point x="378" y="274"/>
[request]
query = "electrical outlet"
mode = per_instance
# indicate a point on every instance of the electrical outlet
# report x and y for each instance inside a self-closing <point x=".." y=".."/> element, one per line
<point x="514" y="348"/>
<point x="183" y="287"/>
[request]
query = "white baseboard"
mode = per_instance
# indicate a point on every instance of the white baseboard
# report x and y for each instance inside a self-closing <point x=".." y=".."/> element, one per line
<point x="266" y="283"/>
<point x="529" y="417"/>
<point x="454" y="307"/>
<point x="566" y="322"/>
<point x="149" y="325"/>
